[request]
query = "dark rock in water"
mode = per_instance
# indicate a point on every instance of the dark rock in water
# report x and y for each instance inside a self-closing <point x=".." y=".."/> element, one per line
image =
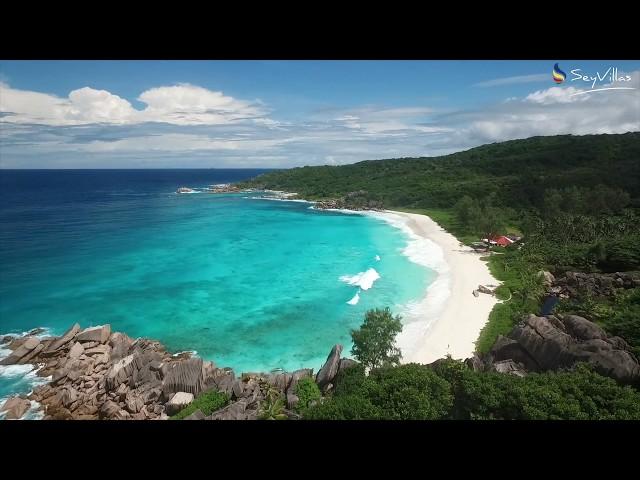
<point x="98" y="334"/>
<point x="15" y="408"/>
<point x="64" y="339"/>
<point x="23" y="350"/>
<point x="330" y="368"/>
<point x="185" y="376"/>
<point x="37" y="331"/>
<point x="6" y="339"/>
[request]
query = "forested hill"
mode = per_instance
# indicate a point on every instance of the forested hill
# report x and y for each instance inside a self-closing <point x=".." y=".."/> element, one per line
<point x="517" y="172"/>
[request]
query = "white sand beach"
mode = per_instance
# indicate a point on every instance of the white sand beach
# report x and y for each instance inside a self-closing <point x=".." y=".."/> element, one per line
<point x="449" y="318"/>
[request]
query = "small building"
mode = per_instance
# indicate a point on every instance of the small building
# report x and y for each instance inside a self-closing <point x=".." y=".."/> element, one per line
<point x="503" y="241"/>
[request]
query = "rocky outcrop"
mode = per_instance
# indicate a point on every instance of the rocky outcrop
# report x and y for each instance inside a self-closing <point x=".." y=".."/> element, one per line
<point x="15" y="408"/>
<point x="556" y="342"/>
<point x="23" y="350"/>
<point x="330" y="368"/>
<point x="98" y="334"/>
<point x="58" y="343"/>
<point x="577" y="284"/>
<point x="95" y="376"/>
<point x="177" y="402"/>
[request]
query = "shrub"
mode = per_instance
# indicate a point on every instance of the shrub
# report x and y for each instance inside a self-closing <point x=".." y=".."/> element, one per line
<point x="208" y="402"/>
<point x="307" y="391"/>
<point x="580" y="394"/>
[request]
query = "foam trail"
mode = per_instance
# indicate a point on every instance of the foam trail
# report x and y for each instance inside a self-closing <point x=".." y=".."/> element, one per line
<point x="377" y="258"/>
<point x="364" y="280"/>
<point x="418" y="316"/>
<point x="355" y="299"/>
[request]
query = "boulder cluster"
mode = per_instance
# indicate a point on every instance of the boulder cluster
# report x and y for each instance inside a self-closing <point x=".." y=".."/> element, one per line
<point x="574" y="284"/>
<point x="96" y="374"/>
<point x="554" y="342"/>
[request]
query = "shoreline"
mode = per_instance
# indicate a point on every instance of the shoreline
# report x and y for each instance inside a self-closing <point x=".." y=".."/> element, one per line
<point x="454" y="316"/>
<point x="448" y="319"/>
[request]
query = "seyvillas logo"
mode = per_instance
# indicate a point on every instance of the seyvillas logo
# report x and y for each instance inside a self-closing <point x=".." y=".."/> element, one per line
<point x="611" y="79"/>
<point x="558" y="75"/>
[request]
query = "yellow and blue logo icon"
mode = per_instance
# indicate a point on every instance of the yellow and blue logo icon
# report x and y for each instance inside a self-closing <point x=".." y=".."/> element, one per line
<point x="558" y="75"/>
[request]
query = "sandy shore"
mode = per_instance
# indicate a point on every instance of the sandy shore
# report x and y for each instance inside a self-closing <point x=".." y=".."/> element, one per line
<point x="449" y="318"/>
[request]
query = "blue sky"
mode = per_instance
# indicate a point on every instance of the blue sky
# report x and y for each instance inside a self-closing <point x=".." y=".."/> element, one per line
<point x="119" y="114"/>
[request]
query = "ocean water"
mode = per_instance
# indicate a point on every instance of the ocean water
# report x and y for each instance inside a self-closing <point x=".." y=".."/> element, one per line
<point x="246" y="282"/>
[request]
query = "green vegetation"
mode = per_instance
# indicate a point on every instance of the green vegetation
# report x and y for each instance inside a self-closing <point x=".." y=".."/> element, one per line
<point x="517" y="173"/>
<point x="393" y="393"/>
<point x="450" y="390"/>
<point x="272" y="407"/>
<point x="208" y="402"/>
<point x="374" y="342"/>
<point x="618" y="316"/>
<point x="308" y="392"/>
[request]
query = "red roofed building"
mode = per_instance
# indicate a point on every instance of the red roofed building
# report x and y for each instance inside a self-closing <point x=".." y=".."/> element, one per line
<point x="503" y="241"/>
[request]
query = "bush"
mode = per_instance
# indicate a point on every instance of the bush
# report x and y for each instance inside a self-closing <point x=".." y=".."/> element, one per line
<point x="307" y="391"/>
<point x="581" y="394"/>
<point x="502" y="292"/>
<point x="406" y="392"/>
<point x="208" y="402"/>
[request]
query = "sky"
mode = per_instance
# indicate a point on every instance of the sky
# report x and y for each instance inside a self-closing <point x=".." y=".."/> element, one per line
<point x="234" y="114"/>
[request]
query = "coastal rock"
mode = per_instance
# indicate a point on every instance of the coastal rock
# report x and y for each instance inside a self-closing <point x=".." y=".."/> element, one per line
<point x="60" y="342"/>
<point x="36" y="331"/>
<point x="297" y="376"/>
<point x="178" y="402"/>
<point x="119" y="372"/>
<point x="120" y="345"/>
<point x="235" y="411"/>
<point x="508" y="349"/>
<point x="99" y="334"/>
<point x="346" y="363"/>
<point x="184" y="376"/>
<point x="330" y="368"/>
<point x="98" y="350"/>
<point x="76" y="350"/>
<point x="32" y="354"/>
<point x="24" y="349"/>
<point x="556" y="342"/>
<point x="475" y="363"/>
<point x="510" y="367"/>
<point x="15" y="408"/>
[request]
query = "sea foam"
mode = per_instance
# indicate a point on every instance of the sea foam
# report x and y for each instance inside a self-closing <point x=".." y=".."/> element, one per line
<point x="364" y="280"/>
<point x="355" y="299"/>
<point x="418" y="316"/>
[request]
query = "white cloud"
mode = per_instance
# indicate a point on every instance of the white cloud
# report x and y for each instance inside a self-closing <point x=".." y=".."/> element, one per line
<point x="190" y="126"/>
<point x="178" y="105"/>
<point x="498" y="82"/>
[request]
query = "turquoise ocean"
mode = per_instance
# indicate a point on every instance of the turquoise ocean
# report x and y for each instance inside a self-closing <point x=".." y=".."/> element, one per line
<point x="244" y="280"/>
